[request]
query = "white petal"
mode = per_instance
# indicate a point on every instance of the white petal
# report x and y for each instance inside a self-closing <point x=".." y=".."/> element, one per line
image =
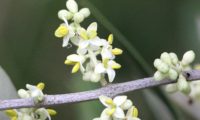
<point x="111" y="74"/>
<point x="84" y="44"/>
<point x="104" y="115"/>
<point x="103" y="99"/>
<point x="81" y="67"/>
<point x="99" y="68"/>
<point x="72" y="6"/>
<point x="106" y="54"/>
<point x="81" y="51"/>
<point x="119" y="100"/>
<point x="92" y="26"/>
<point x="74" y="58"/>
<point x="23" y="93"/>
<point x="119" y="113"/>
<point x="65" y="41"/>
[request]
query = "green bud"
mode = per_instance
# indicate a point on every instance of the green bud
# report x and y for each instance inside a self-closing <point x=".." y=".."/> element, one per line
<point x="173" y="74"/>
<point x="158" y="76"/>
<point x="165" y="57"/>
<point x="171" y="88"/>
<point x="164" y="68"/>
<point x="183" y="85"/>
<point x="174" y="58"/>
<point x="78" y="17"/>
<point x="157" y="62"/>
<point x="188" y="57"/>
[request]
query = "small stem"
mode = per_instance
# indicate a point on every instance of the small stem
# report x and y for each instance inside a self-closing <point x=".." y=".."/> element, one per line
<point x="103" y="82"/>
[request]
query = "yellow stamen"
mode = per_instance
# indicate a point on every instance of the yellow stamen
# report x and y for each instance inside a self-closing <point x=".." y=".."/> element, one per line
<point x="135" y="112"/>
<point x="110" y="39"/>
<point x="51" y="112"/>
<point x="41" y="86"/>
<point x="76" y="68"/>
<point x="68" y="62"/>
<point x="117" y="51"/>
<point x="83" y="34"/>
<point x="11" y="113"/>
<point x="14" y="118"/>
<point x="111" y="111"/>
<point x="116" y="65"/>
<point x="92" y="34"/>
<point x="105" y="62"/>
<point x="109" y="101"/>
<point x="61" y="31"/>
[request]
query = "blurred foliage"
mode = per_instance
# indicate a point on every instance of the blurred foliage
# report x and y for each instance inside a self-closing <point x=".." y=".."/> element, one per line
<point x="30" y="53"/>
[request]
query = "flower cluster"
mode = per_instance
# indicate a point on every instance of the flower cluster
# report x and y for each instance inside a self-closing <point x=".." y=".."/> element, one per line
<point x="36" y="93"/>
<point x="115" y="109"/>
<point x="195" y="86"/>
<point x="94" y="56"/>
<point x="169" y="66"/>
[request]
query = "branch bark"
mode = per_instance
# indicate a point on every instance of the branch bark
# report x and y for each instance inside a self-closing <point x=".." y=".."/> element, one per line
<point x="109" y="90"/>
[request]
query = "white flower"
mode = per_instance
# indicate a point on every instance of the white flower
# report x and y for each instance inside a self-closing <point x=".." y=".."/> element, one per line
<point x="66" y="32"/>
<point x="108" y="67"/>
<point x="35" y="92"/>
<point x="77" y="61"/>
<point x="88" y="39"/>
<point x="114" y="109"/>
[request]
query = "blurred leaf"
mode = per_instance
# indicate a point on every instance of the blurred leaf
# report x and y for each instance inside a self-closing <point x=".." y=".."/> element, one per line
<point x="7" y="90"/>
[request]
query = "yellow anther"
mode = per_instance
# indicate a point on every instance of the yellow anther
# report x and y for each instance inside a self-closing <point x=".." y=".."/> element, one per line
<point x="92" y="34"/>
<point x="61" y="31"/>
<point x="14" y="118"/>
<point x="111" y="111"/>
<point x="110" y="39"/>
<point x="117" y="51"/>
<point x="135" y="112"/>
<point x="51" y="112"/>
<point x="83" y="35"/>
<point x="105" y="62"/>
<point x="116" y="65"/>
<point x="11" y="113"/>
<point x="109" y="101"/>
<point x="68" y="62"/>
<point x="41" y="86"/>
<point x="76" y="68"/>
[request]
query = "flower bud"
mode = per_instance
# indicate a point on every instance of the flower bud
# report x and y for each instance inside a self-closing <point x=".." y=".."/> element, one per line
<point x="23" y="93"/>
<point x="183" y="85"/>
<point x="157" y="62"/>
<point x="171" y="88"/>
<point x="72" y="6"/>
<point x="188" y="57"/>
<point x="85" y="12"/>
<point x="158" y="76"/>
<point x="164" y="68"/>
<point x="78" y="17"/>
<point x="64" y="14"/>
<point x="173" y="74"/>
<point x="127" y="104"/>
<point x="174" y="58"/>
<point x="165" y="58"/>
